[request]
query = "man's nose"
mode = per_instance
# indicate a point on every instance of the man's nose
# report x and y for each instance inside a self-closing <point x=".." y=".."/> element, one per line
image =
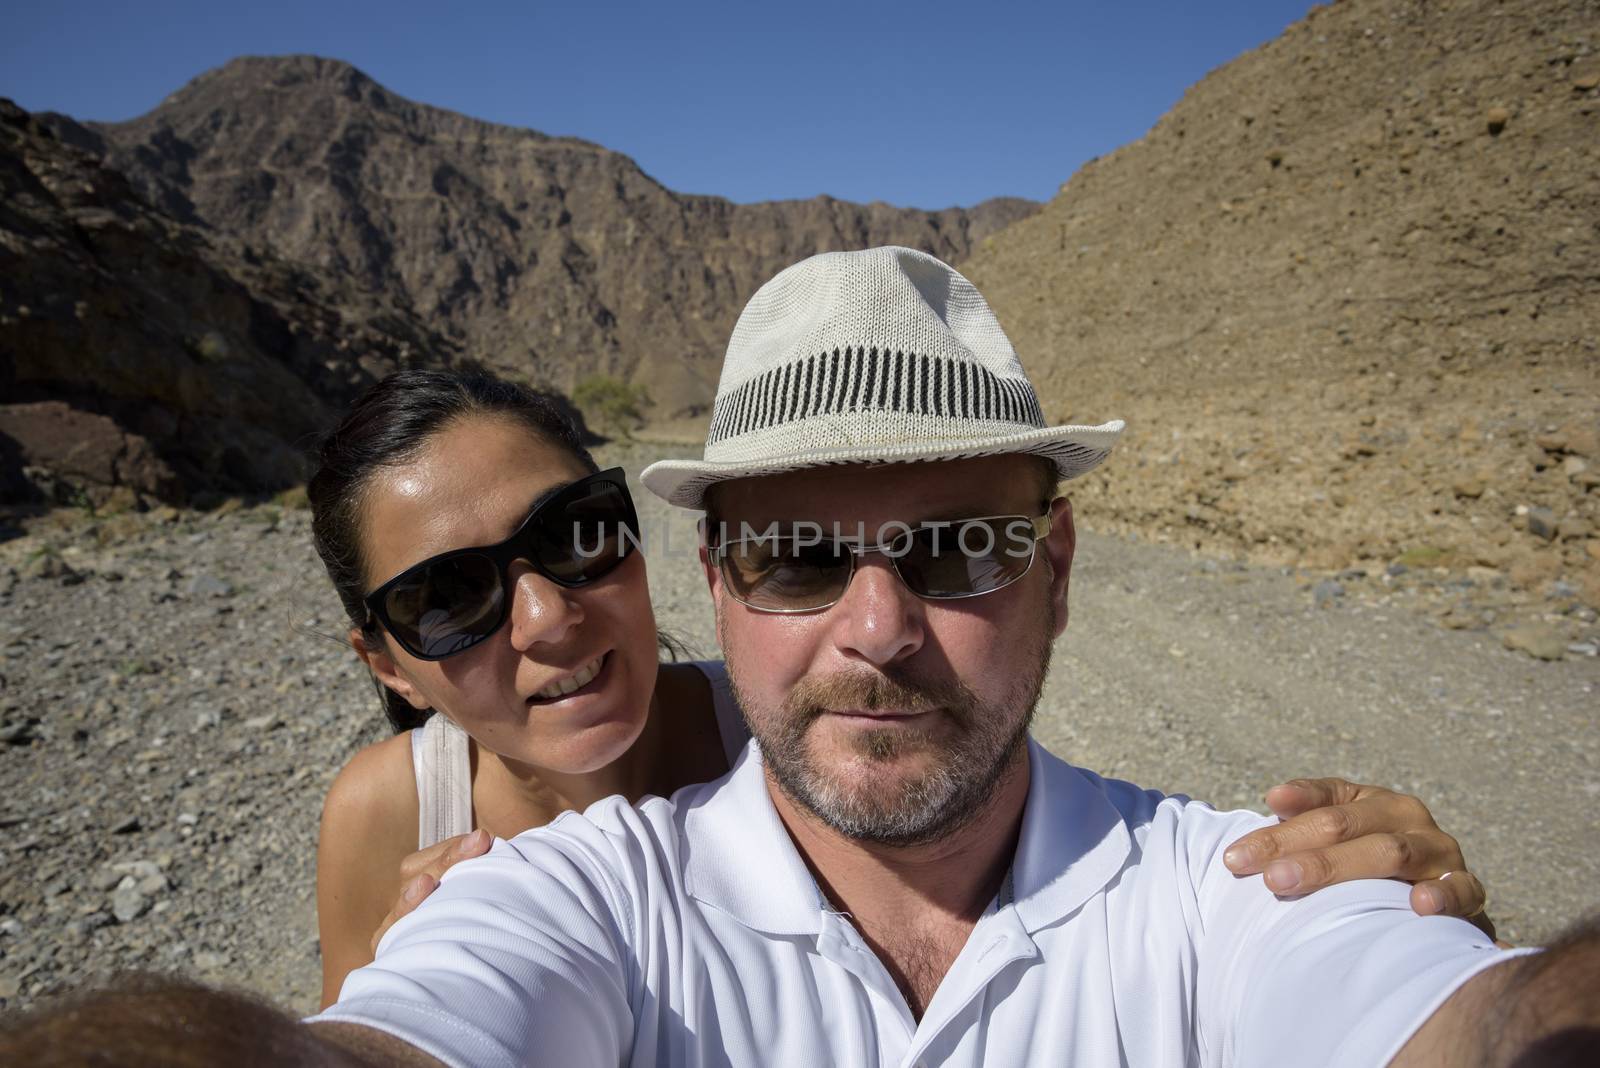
<point x="878" y="619"/>
<point x="541" y="610"/>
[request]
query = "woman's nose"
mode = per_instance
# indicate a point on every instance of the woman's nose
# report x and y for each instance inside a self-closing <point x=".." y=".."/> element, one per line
<point x="542" y="612"/>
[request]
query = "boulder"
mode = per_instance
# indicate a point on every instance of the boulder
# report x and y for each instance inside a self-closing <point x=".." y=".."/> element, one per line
<point x="1538" y="640"/>
<point x="84" y="449"/>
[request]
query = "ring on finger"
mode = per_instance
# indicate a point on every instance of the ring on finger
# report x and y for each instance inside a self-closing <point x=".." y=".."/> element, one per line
<point x="1483" y="905"/>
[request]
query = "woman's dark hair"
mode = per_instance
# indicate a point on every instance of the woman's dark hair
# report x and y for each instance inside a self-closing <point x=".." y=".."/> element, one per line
<point x="388" y="426"/>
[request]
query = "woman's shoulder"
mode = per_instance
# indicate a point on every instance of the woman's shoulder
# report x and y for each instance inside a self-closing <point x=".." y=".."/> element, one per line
<point x="698" y="701"/>
<point x="375" y="792"/>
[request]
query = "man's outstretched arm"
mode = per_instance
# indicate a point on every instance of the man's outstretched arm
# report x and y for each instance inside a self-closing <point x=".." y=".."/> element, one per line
<point x="140" y="1021"/>
<point x="1540" y="1010"/>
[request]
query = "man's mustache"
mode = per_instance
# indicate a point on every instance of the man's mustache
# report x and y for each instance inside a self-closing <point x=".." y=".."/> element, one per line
<point x="873" y="691"/>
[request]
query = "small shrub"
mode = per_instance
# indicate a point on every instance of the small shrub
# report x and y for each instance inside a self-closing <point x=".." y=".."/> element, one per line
<point x="1422" y="556"/>
<point x="612" y="404"/>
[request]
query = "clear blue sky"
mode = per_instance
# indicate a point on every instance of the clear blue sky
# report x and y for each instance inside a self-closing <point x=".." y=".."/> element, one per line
<point x="926" y="104"/>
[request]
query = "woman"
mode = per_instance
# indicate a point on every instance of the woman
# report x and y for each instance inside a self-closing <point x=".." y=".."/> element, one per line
<point x="495" y="592"/>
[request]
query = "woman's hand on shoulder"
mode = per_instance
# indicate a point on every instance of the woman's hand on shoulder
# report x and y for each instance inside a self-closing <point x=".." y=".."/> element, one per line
<point x="421" y="871"/>
<point x="1334" y="830"/>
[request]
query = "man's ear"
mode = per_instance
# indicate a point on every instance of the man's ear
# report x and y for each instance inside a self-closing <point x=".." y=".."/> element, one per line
<point x="1058" y="547"/>
<point x="381" y="663"/>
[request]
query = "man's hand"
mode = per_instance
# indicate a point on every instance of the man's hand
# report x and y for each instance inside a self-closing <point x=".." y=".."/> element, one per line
<point x="421" y="871"/>
<point x="1334" y="831"/>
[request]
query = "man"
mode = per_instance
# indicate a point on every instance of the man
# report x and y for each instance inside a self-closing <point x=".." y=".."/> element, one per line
<point x="898" y="875"/>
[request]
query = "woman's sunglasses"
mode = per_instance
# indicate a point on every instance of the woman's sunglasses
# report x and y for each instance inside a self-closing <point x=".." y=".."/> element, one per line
<point x="789" y="572"/>
<point x="449" y="603"/>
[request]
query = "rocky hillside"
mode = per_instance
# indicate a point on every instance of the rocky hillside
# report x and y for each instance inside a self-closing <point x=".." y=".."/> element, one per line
<point x="142" y="358"/>
<point x="1345" y="292"/>
<point x="552" y="258"/>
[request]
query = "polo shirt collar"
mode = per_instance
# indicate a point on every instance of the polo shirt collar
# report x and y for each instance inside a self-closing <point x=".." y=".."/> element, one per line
<point x="1074" y="841"/>
<point x="742" y="861"/>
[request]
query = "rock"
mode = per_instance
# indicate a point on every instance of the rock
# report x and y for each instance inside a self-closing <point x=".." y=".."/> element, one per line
<point x="1573" y="528"/>
<point x="1573" y="466"/>
<point x="1592" y="547"/>
<point x="1551" y="441"/>
<point x="1538" y="640"/>
<point x="150" y="878"/>
<point x="128" y="902"/>
<point x="1584" y="648"/>
<point x="1586" y="82"/>
<point x="209" y="586"/>
<point x="86" y="449"/>
<point x="105" y="880"/>
<point x="1326" y="592"/>
<point x="1396" y="569"/>
<point x="1470" y="488"/>
<point x="18" y="734"/>
<point x="1583" y="439"/>
<point x="210" y="961"/>
<point x="127" y="825"/>
<point x="1496" y="119"/>
<point x="1542" y="523"/>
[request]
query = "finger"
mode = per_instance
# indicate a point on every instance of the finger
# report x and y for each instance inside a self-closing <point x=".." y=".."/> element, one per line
<point x="415" y="892"/>
<point x="446" y="853"/>
<point x="419" y="862"/>
<point x="1372" y="856"/>
<point x="1302" y="795"/>
<point x="1456" y="893"/>
<point x="467" y="846"/>
<point x="1469" y="899"/>
<point x="1316" y="829"/>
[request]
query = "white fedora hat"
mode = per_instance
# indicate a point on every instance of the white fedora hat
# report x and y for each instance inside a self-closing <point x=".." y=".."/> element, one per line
<point x="886" y="355"/>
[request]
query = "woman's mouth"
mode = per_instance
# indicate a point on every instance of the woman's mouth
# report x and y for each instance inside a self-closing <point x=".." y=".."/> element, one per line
<point x="574" y="682"/>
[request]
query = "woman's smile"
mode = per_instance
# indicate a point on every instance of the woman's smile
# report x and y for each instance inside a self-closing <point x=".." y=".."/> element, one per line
<point x="580" y="683"/>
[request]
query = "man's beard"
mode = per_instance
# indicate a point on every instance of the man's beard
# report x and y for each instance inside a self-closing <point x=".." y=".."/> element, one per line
<point x="965" y="774"/>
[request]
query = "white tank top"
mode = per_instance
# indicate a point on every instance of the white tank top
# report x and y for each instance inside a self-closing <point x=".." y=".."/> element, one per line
<point x="441" y="757"/>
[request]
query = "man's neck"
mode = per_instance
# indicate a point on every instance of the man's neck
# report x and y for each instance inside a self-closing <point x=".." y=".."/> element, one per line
<point x="898" y="895"/>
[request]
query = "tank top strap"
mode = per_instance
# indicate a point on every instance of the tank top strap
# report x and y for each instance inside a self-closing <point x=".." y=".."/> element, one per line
<point x="441" y="757"/>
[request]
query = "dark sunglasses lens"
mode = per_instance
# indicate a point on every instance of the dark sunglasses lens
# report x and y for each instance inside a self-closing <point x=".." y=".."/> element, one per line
<point x="445" y="607"/>
<point x="776" y="574"/>
<point x="965" y="558"/>
<point x="585" y="536"/>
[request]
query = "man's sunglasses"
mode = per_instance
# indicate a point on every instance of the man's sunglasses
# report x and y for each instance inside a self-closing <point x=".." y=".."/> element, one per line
<point x="449" y="603"/>
<point x="790" y="572"/>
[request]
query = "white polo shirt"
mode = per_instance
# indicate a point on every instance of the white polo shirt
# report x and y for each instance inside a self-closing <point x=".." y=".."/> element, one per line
<point x="690" y="932"/>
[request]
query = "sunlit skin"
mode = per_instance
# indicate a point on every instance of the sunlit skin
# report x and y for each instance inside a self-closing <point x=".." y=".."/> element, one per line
<point x="915" y="904"/>
<point x="473" y="485"/>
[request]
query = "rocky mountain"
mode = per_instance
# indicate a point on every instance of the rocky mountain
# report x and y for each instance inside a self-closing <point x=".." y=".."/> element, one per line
<point x="1345" y="292"/>
<point x="140" y="357"/>
<point x="551" y="258"/>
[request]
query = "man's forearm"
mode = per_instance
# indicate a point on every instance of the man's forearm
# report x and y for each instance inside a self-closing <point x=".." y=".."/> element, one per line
<point x="1542" y="1010"/>
<point x="156" y="1022"/>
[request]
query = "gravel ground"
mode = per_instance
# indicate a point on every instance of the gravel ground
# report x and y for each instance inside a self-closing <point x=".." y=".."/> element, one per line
<point x="175" y="699"/>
